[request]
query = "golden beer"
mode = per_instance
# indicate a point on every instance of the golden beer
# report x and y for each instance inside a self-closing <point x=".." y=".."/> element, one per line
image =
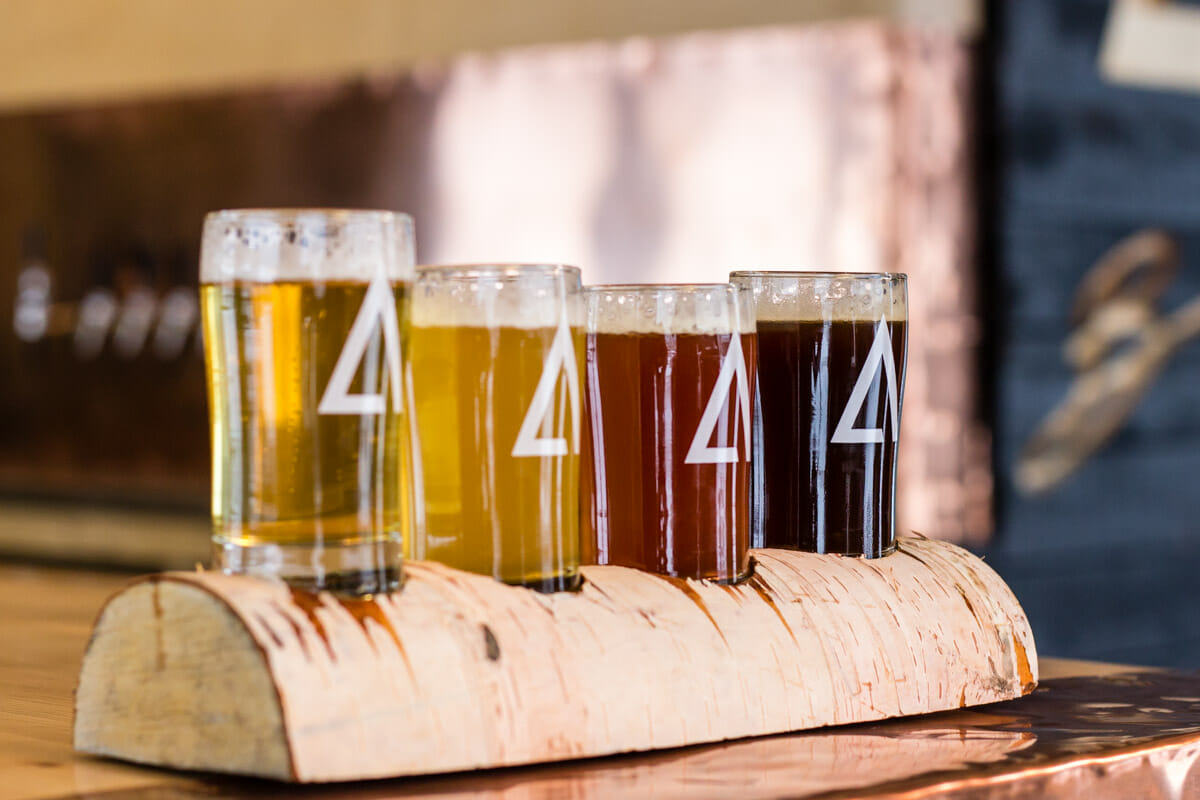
<point x="311" y="450"/>
<point x="498" y="413"/>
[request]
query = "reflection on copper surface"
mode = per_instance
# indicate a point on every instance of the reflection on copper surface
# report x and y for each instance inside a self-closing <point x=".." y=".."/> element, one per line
<point x="1123" y="735"/>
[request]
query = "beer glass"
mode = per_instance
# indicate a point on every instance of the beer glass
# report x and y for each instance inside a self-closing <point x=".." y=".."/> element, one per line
<point x="496" y="354"/>
<point x="666" y="468"/>
<point x="305" y="333"/>
<point x="831" y="356"/>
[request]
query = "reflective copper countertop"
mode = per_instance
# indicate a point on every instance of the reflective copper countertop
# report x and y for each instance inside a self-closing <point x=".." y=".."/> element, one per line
<point x="1090" y="730"/>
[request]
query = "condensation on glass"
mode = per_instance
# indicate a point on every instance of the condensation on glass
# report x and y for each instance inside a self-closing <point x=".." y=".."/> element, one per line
<point x="496" y="355"/>
<point x="669" y="372"/>
<point x="832" y="350"/>
<point x="306" y="325"/>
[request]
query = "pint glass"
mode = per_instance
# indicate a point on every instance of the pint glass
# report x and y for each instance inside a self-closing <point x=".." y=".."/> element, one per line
<point x="496" y="365"/>
<point x="305" y="326"/>
<point x="827" y="422"/>
<point x="667" y="456"/>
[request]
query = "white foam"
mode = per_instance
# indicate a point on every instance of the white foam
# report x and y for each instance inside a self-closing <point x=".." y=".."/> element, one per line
<point x="815" y="296"/>
<point x="525" y="296"/>
<point x="674" y="309"/>
<point x="274" y="245"/>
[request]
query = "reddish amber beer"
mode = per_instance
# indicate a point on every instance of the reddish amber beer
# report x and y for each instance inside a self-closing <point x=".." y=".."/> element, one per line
<point x="669" y="371"/>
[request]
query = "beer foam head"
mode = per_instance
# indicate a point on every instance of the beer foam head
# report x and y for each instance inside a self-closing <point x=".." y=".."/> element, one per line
<point x="669" y="308"/>
<point x="815" y="296"/>
<point x="306" y="244"/>
<point x="497" y="296"/>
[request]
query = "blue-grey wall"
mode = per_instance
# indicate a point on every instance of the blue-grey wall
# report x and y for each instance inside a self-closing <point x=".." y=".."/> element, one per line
<point x="1107" y="565"/>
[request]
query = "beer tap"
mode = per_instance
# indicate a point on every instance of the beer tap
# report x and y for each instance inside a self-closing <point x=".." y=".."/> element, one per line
<point x="129" y="313"/>
<point x="94" y="319"/>
<point x="31" y="310"/>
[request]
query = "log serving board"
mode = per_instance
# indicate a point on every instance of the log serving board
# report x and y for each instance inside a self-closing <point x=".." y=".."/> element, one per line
<point x="243" y="675"/>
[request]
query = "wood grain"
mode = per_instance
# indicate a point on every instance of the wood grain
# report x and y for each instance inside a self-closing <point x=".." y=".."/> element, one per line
<point x="240" y="675"/>
<point x="49" y="614"/>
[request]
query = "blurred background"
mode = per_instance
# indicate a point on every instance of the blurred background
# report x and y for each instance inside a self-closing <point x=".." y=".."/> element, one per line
<point x="1033" y="165"/>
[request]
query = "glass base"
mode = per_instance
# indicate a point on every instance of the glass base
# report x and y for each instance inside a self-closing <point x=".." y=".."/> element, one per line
<point x="851" y="553"/>
<point x="886" y="550"/>
<point x="741" y="577"/>
<point x="356" y="569"/>
<point x="853" y="546"/>
<point x="559" y="583"/>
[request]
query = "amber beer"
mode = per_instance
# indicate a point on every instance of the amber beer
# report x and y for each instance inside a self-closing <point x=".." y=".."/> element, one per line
<point x="496" y="356"/>
<point x="830" y="388"/>
<point x="305" y="321"/>
<point x="666" y="463"/>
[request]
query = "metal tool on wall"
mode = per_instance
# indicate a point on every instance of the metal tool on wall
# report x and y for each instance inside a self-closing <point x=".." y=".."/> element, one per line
<point x="1120" y="344"/>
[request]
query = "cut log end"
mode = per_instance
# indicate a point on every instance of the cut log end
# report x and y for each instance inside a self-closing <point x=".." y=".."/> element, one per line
<point x="173" y="677"/>
<point x="241" y="675"/>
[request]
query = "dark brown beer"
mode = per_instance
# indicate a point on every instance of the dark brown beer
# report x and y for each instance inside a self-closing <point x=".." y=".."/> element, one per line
<point x="813" y="489"/>
<point x="644" y="505"/>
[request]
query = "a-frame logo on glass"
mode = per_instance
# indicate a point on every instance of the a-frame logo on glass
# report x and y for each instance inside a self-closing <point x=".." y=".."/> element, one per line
<point x="378" y="310"/>
<point x="559" y="361"/>
<point x="732" y="368"/>
<point x="880" y="354"/>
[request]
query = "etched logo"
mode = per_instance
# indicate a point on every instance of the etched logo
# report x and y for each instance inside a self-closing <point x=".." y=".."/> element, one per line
<point x="880" y="353"/>
<point x="560" y="359"/>
<point x="378" y="310"/>
<point x="732" y="368"/>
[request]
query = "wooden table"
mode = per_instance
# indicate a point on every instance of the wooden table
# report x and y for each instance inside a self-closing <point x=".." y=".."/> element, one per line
<point x="1110" y="732"/>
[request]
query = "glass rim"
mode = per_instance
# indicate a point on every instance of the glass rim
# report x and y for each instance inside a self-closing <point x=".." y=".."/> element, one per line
<point x="497" y="270"/>
<point x="651" y="288"/>
<point x="674" y="308"/>
<point x="793" y="274"/>
<point x="289" y="214"/>
<point x="276" y="245"/>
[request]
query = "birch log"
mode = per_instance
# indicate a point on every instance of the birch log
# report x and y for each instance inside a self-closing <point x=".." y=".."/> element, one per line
<point x="242" y="675"/>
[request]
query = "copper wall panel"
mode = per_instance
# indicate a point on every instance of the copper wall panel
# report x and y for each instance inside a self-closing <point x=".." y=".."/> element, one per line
<point x="678" y="159"/>
<point x="842" y="147"/>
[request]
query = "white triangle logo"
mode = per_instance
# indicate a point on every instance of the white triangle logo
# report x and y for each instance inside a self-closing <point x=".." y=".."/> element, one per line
<point x="378" y="309"/>
<point x="560" y="359"/>
<point x="881" y="351"/>
<point x="734" y="366"/>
